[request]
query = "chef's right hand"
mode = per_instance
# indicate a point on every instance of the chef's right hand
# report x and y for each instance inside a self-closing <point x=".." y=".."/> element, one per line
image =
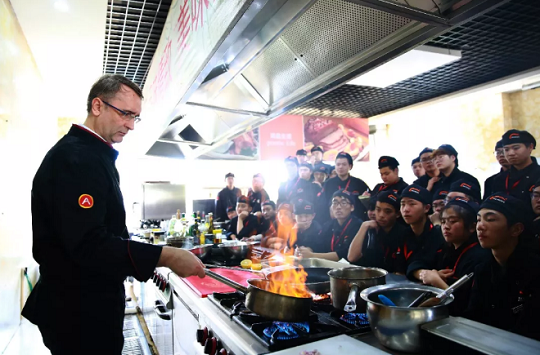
<point x="181" y="262"/>
<point x="243" y="215"/>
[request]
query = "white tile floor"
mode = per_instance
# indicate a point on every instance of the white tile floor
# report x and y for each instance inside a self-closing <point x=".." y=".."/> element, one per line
<point x="27" y="340"/>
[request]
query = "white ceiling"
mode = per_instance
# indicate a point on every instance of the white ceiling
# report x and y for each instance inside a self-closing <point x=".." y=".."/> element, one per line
<point x="67" y="47"/>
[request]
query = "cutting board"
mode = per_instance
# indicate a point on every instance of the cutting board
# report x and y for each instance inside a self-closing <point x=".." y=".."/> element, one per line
<point x="341" y="344"/>
<point x="207" y="285"/>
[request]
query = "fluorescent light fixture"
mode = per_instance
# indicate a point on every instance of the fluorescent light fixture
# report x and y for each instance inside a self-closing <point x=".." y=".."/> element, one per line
<point x="61" y="5"/>
<point x="417" y="61"/>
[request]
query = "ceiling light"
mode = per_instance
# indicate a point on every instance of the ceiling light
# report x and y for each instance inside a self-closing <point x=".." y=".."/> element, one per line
<point x="417" y="61"/>
<point x="61" y="5"/>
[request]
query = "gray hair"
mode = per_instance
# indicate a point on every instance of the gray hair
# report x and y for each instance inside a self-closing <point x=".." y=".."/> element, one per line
<point x="107" y="86"/>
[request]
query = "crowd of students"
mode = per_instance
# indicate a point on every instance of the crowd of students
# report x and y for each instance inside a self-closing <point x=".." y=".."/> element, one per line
<point x="434" y="231"/>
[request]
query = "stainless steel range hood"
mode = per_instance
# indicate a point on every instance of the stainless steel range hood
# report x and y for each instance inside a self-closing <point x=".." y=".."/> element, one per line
<point x="282" y="53"/>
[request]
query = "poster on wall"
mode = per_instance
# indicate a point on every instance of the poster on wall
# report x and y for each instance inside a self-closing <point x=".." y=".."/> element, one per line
<point x="336" y="135"/>
<point x="243" y="147"/>
<point x="281" y="137"/>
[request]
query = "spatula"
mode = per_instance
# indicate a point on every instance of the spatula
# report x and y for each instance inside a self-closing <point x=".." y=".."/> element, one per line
<point x="433" y="301"/>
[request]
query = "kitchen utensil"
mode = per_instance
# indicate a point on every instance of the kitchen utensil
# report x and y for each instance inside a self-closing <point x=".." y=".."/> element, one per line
<point x="444" y="294"/>
<point x="424" y="296"/>
<point x="347" y="283"/>
<point x="236" y="250"/>
<point x="386" y="301"/>
<point x="398" y="327"/>
<point x="268" y="304"/>
<point x="203" y="252"/>
<point x="317" y="280"/>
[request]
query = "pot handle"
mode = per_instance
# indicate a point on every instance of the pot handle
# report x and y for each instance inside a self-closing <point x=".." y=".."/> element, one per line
<point x="350" y="306"/>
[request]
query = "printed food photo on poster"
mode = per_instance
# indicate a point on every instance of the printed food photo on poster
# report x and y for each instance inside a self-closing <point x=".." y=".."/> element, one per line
<point x="336" y="135"/>
<point x="243" y="147"/>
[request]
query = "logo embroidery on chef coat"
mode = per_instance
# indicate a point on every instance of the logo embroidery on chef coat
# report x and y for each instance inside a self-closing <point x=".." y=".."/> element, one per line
<point x="86" y="201"/>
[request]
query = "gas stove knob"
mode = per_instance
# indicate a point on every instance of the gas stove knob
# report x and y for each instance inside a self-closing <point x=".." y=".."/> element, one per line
<point x="164" y="285"/>
<point x="223" y="352"/>
<point x="210" y="347"/>
<point x="202" y="335"/>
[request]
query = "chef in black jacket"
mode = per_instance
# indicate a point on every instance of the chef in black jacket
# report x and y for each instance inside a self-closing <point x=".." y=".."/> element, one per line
<point x="463" y="188"/>
<point x="388" y="168"/>
<point x="306" y="189"/>
<point x="318" y="154"/>
<point x="519" y="179"/>
<point x="287" y="188"/>
<point x="320" y="174"/>
<point x="505" y="165"/>
<point x="460" y="254"/>
<point x="226" y="198"/>
<point x="257" y="194"/>
<point x="337" y="234"/>
<point x="417" y="168"/>
<point x="506" y="289"/>
<point x="432" y="174"/>
<point x="269" y="216"/>
<point x="439" y="201"/>
<point x="301" y="156"/>
<point x="80" y="239"/>
<point x="308" y="230"/>
<point x="446" y="160"/>
<point x="344" y="181"/>
<point x="377" y="242"/>
<point x="422" y="239"/>
<point x="246" y="224"/>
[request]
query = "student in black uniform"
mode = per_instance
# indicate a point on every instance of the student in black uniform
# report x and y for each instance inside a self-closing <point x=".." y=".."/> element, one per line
<point x="278" y="236"/>
<point x="372" y="205"/>
<point x="432" y="173"/>
<point x="463" y="188"/>
<point x="257" y="194"/>
<point x="318" y="154"/>
<point x="308" y="231"/>
<point x="384" y="235"/>
<point x="306" y="189"/>
<point x="80" y="239"/>
<point x="417" y="168"/>
<point x="388" y="168"/>
<point x="344" y="181"/>
<point x="422" y="239"/>
<point x="287" y="188"/>
<point x="506" y="289"/>
<point x="231" y="213"/>
<point x="446" y="160"/>
<point x="518" y="180"/>
<point x="320" y="174"/>
<point x="337" y="234"/>
<point x="460" y="254"/>
<point x="535" y="204"/>
<point x="439" y="201"/>
<point x="269" y="216"/>
<point x="246" y="224"/>
<point x="226" y="198"/>
<point x="332" y="173"/>
<point x="505" y="165"/>
<point x="301" y="156"/>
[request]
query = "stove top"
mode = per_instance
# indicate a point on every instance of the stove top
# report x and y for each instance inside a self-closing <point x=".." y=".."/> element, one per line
<point x="324" y="322"/>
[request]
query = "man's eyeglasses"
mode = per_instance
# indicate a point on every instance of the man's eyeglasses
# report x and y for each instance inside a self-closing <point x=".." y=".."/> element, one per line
<point x="426" y="160"/>
<point x="342" y="203"/>
<point x="499" y="153"/>
<point x="125" y="114"/>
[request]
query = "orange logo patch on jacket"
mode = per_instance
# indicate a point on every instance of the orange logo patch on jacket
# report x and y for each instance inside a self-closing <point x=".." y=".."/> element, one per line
<point x="86" y="201"/>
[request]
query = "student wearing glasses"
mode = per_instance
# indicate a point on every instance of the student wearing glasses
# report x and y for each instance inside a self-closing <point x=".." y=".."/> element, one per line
<point x="431" y="175"/>
<point x="505" y="165"/>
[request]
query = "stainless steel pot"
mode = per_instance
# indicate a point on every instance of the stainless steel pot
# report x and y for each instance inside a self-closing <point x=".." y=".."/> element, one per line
<point x="347" y="283"/>
<point x="398" y="327"/>
<point x="236" y="250"/>
<point x="203" y="252"/>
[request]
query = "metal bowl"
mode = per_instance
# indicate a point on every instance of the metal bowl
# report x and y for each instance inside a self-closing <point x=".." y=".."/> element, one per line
<point x="202" y="251"/>
<point x="238" y="250"/>
<point x="398" y="328"/>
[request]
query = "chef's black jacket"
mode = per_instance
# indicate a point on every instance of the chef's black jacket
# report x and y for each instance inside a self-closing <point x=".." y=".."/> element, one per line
<point x="266" y="224"/>
<point x="424" y="181"/>
<point x="383" y="251"/>
<point x="286" y="190"/>
<point x="82" y="246"/>
<point x="508" y="297"/>
<point x="338" y="238"/>
<point x="311" y="238"/>
<point x="456" y="174"/>
<point x="419" y="252"/>
<point x="398" y="186"/>
<point x="462" y="261"/>
<point x="488" y="185"/>
<point x="354" y="185"/>
<point x="257" y="198"/>
<point x="518" y="183"/>
<point x="307" y="191"/>
<point x="252" y="227"/>
<point x="226" y="198"/>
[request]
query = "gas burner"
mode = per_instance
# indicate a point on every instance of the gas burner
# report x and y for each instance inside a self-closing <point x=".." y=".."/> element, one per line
<point x="238" y="308"/>
<point x="286" y="331"/>
<point x="358" y="319"/>
<point x="322" y="298"/>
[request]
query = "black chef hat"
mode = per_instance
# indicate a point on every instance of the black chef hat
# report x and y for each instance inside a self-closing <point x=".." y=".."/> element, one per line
<point x="390" y="197"/>
<point x="386" y="161"/>
<point x="426" y="150"/>
<point x="291" y="160"/>
<point x="317" y="149"/>
<point x="446" y="149"/>
<point x="344" y="194"/>
<point x="321" y="168"/>
<point x="415" y="160"/>
<point x="269" y="203"/>
<point x="229" y="175"/>
<point x="243" y="199"/>
<point x="499" y="144"/>
<point x="466" y="203"/>
<point x="440" y="194"/>
<point x="418" y="193"/>
<point x="231" y="208"/>
<point x="301" y="152"/>
<point x="466" y="187"/>
<point x="346" y="156"/>
<point x="516" y="136"/>
<point x="307" y="165"/>
<point x="303" y="207"/>
<point x="512" y="208"/>
<point x="286" y="206"/>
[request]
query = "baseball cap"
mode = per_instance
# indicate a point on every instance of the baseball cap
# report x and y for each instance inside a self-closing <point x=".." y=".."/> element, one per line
<point x="321" y="168"/>
<point x="385" y="161"/>
<point x="466" y="187"/>
<point x="440" y="194"/>
<point x="344" y="194"/>
<point x="418" y="193"/>
<point x="415" y="160"/>
<point x="301" y="152"/>
<point x="390" y="197"/>
<point x="243" y="199"/>
<point x="317" y="149"/>
<point x="286" y="206"/>
<point x="512" y="208"/>
<point x="269" y="203"/>
<point x="446" y="149"/>
<point x="516" y="136"/>
<point x="499" y="144"/>
<point x="229" y="175"/>
<point x="303" y="207"/>
<point x="345" y="155"/>
<point x="426" y="150"/>
<point x="466" y="203"/>
<point x="231" y="208"/>
<point x="307" y="165"/>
